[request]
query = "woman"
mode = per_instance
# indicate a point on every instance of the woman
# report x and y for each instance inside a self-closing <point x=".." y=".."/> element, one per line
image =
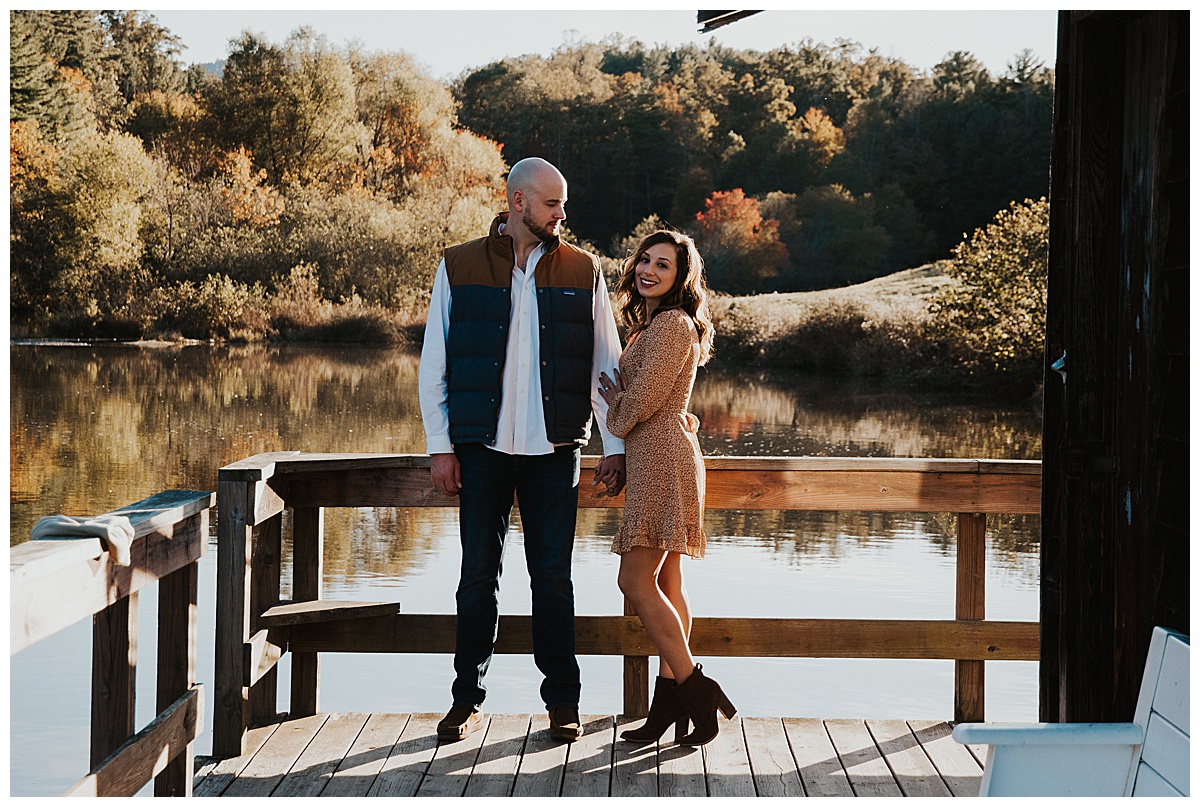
<point x="663" y="301"/>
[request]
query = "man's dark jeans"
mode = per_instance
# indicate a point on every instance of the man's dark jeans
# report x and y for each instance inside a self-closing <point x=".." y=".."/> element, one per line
<point x="547" y="491"/>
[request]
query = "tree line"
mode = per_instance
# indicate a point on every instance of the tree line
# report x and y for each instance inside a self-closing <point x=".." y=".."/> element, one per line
<point x="804" y="167"/>
<point x="309" y="179"/>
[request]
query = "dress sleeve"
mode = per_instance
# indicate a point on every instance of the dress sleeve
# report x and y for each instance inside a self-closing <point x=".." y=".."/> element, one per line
<point x="667" y="351"/>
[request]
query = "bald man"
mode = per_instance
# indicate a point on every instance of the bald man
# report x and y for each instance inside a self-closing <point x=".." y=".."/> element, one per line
<point x="519" y="329"/>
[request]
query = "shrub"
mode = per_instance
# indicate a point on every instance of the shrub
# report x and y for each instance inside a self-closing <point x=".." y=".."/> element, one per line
<point x="850" y="333"/>
<point x="992" y="320"/>
<point x="216" y="308"/>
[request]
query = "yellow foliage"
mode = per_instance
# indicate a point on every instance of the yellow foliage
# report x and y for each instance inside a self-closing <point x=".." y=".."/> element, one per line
<point x="248" y="200"/>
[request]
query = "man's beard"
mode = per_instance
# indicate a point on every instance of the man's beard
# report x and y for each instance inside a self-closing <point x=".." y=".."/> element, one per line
<point x="538" y="230"/>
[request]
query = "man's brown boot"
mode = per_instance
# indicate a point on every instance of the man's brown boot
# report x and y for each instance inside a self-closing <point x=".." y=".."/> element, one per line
<point x="564" y="723"/>
<point x="457" y="724"/>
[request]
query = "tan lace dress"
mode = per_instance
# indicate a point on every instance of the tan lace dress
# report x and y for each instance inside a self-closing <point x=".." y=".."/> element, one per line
<point x="664" y="488"/>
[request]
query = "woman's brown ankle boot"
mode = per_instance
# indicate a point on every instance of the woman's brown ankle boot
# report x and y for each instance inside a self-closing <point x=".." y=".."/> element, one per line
<point x="665" y="708"/>
<point x="703" y="697"/>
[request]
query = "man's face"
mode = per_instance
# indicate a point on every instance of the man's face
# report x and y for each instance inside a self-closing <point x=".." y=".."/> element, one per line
<point x="545" y="208"/>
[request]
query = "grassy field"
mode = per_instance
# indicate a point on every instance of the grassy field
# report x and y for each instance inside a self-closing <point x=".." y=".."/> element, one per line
<point x="873" y="328"/>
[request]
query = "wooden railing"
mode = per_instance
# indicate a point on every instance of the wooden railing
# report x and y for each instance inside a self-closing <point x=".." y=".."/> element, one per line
<point x="254" y="628"/>
<point x="56" y="583"/>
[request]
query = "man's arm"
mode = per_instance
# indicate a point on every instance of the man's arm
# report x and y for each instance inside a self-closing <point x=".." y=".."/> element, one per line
<point x="431" y="386"/>
<point x="606" y="354"/>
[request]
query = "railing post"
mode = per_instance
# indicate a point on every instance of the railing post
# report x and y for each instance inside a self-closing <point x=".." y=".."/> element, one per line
<point x="235" y="509"/>
<point x="969" y="599"/>
<point x="635" y="681"/>
<point x="307" y="545"/>
<point x="177" y="661"/>
<point x="114" y="676"/>
<point x="265" y="568"/>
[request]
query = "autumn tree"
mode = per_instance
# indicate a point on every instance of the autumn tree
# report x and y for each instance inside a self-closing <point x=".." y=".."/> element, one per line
<point x="32" y="176"/>
<point x="90" y="260"/>
<point x="741" y="250"/>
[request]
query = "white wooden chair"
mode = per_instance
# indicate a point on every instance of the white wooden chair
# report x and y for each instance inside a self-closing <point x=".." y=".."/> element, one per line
<point x="1148" y="757"/>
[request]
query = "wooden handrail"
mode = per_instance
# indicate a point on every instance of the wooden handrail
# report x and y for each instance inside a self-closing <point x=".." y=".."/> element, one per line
<point x="56" y="583"/>
<point x="254" y="492"/>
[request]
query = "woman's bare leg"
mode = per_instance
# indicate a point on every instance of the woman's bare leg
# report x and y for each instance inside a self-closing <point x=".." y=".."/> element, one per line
<point x="670" y="582"/>
<point x="638" y="579"/>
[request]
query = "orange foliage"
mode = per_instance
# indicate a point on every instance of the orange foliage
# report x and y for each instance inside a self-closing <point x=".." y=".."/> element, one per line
<point x="247" y="199"/>
<point x="740" y="247"/>
<point x="827" y="139"/>
<point x="31" y="165"/>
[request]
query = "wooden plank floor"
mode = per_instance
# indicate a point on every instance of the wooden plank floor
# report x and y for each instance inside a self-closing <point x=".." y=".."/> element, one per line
<point x="398" y="755"/>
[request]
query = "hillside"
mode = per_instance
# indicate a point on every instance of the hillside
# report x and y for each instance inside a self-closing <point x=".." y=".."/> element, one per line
<point x="872" y="328"/>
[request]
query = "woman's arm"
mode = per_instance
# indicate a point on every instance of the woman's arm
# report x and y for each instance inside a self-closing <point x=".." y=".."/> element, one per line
<point x="668" y="348"/>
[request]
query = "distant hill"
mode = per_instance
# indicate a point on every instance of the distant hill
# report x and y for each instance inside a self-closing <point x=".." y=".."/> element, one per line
<point x="217" y="68"/>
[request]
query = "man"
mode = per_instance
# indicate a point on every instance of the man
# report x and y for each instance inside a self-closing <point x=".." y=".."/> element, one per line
<point x="520" y="328"/>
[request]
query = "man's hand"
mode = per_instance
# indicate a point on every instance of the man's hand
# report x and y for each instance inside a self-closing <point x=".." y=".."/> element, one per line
<point x="446" y="473"/>
<point x="611" y="473"/>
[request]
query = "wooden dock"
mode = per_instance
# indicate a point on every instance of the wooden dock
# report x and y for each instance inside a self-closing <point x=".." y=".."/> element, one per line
<point x="312" y="752"/>
<point x="399" y="755"/>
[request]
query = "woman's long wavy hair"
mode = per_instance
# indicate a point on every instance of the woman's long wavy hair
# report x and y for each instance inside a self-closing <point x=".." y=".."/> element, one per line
<point x="690" y="292"/>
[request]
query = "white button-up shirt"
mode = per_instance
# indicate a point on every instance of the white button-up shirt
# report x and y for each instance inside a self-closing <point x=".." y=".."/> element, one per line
<point x="521" y="428"/>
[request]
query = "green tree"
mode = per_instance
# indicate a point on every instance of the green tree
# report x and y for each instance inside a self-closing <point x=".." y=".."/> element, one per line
<point x="76" y="247"/>
<point x="47" y="80"/>
<point x="993" y="318"/>
<point x="32" y="234"/>
<point x="76" y="41"/>
<point x="292" y="106"/>
<point x="30" y="71"/>
<point x="837" y="242"/>
<point x="145" y="53"/>
<point x="99" y="197"/>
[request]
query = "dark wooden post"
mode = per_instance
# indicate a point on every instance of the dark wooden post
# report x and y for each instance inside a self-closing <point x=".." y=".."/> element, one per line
<point x="307" y="546"/>
<point x="235" y="509"/>
<point x="1115" y="495"/>
<point x="265" y="569"/>
<point x="969" y="598"/>
<point x="636" y="681"/>
<point x="177" y="661"/>
<point x="114" y="676"/>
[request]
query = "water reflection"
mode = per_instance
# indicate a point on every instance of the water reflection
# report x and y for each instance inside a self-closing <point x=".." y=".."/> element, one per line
<point x="784" y="413"/>
<point x="97" y="427"/>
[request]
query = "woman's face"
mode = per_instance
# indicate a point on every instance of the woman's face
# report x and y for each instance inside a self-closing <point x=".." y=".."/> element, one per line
<point x="655" y="272"/>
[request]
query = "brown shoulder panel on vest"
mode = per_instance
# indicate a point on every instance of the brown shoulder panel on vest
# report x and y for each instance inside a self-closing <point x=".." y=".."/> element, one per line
<point x="473" y="263"/>
<point x="574" y="268"/>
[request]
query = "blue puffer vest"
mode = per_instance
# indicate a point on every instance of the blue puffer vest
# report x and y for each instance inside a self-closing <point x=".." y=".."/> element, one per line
<point x="480" y="275"/>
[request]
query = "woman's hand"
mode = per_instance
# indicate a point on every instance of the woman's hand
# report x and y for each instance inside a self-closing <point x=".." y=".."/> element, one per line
<point x="609" y="388"/>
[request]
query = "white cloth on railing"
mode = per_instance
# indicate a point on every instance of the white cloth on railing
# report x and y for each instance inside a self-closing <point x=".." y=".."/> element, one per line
<point x="114" y="532"/>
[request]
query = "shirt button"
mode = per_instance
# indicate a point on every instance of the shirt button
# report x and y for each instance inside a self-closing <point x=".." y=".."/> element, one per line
<point x="546" y="398"/>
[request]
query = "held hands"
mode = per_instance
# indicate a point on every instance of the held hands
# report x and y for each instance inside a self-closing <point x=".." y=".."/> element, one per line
<point x="611" y="470"/>
<point x="610" y="388"/>
<point x="611" y="473"/>
<point x="446" y="473"/>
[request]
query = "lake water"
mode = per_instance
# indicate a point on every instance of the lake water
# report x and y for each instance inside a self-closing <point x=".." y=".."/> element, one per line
<point x="94" y="428"/>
